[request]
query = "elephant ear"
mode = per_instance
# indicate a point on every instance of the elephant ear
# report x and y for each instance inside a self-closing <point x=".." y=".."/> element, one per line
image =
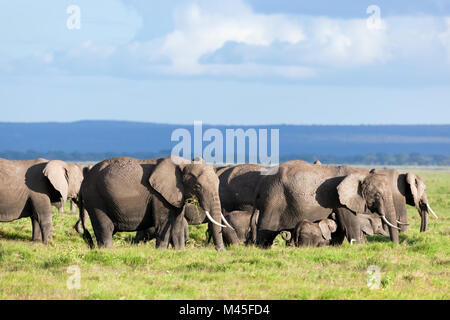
<point x="349" y="191"/>
<point x="326" y="228"/>
<point x="366" y="226"/>
<point x="86" y="170"/>
<point x="166" y="179"/>
<point x="417" y="187"/>
<point x="332" y="225"/>
<point x="56" y="173"/>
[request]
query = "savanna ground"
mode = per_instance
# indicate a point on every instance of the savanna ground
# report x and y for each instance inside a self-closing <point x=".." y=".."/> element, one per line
<point x="417" y="268"/>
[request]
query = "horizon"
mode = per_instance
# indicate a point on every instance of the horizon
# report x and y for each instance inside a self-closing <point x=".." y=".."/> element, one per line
<point x="225" y="125"/>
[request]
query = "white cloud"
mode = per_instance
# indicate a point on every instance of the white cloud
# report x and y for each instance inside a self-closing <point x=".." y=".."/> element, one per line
<point x="221" y="39"/>
<point x="444" y="37"/>
<point x="102" y="51"/>
<point x="204" y="27"/>
<point x="31" y="27"/>
<point x="343" y="43"/>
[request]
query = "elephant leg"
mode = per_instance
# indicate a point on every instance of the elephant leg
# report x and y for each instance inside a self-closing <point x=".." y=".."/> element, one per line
<point x="186" y="231"/>
<point x="163" y="236"/>
<point x="338" y="237"/>
<point x="349" y="224"/>
<point x="103" y="228"/>
<point x="145" y="235"/>
<point x="177" y="232"/>
<point x="43" y="214"/>
<point x="73" y="207"/>
<point x="36" y="230"/>
<point x="208" y="235"/>
<point x="230" y="237"/>
<point x="265" y="238"/>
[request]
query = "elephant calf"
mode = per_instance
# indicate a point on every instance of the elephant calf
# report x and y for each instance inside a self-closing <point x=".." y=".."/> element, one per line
<point x="318" y="234"/>
<point x="150" y="234"/>
<point x="242" y="222"/>
<point x="359" y="226"/>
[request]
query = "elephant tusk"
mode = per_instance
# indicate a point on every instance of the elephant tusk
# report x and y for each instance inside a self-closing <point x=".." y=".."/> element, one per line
<point x="226" y="222"/>
<point x="388" y="223"/>
<point x="434" y="214"/>
<point x="402" y="223"/>
<point x="214" y="221"/>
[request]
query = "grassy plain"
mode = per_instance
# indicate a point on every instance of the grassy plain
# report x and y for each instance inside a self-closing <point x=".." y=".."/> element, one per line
<point x="417" y="268"/>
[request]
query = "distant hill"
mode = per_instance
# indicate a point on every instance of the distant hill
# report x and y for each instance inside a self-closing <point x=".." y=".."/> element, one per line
<point x="128" y="138"/>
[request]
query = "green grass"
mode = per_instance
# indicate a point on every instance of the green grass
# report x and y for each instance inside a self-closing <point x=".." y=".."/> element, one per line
<point x="417" y="268"/>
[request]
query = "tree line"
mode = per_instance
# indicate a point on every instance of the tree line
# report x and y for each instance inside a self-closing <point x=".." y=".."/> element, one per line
<point x="367" y="159"/>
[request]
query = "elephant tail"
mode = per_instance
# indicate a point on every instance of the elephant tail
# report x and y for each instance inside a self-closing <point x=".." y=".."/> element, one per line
<point x="286" y="235"/>
<point x="86" y="235"/>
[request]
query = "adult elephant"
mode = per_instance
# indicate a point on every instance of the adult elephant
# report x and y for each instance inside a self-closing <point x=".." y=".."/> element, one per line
<point x="126" y="194"/>
<point x="303" y="191"/>
<point x="29" y="189"/>
<point x="237" y="185"/>
<point x="409" y="189"/>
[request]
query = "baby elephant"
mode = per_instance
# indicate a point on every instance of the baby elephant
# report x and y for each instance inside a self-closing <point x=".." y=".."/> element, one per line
<point x="318" y="234"/>
<point x="242" y="223"/>
<point x="150" y="234"/>
<point x="370" y="224"/>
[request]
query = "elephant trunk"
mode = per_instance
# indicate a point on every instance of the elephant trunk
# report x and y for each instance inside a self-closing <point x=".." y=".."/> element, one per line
<point x="215" y="226"/>
<point x="423" y="212"/>
<point x="286" y="235"/>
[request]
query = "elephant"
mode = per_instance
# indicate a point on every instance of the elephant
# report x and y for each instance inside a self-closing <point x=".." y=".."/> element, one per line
<point x="307" y="233"/>
<point x="408" y="189"/>
<point x="150" y="234"/>
<point x="242" y="222"/>
<point x="303" y="191"/>
<point x="29" y="188"/>
<point x="370" y="224"/>
<point x="361" y="224"/>
<point x="237" y="185"/>
<point x="127" y="194"/>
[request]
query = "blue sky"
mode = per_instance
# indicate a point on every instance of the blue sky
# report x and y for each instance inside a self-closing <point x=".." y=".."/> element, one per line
<point x="226" y="62"/>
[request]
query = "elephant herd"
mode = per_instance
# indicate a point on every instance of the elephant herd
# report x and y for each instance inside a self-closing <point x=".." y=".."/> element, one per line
<point x="308" y="204"/>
